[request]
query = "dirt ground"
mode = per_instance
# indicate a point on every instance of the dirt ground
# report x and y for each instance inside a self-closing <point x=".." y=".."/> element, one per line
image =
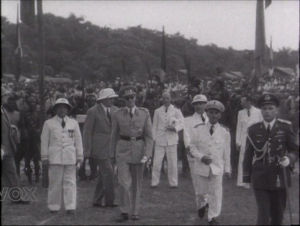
<point x="161" y="206"/>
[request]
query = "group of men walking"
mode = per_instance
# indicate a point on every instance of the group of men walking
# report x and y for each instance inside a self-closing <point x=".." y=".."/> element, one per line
<point x="125" y="137"/>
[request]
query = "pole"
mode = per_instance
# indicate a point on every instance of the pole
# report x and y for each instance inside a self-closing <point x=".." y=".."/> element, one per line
<point x="41" y="60"/>
<point x="287" y="194"/>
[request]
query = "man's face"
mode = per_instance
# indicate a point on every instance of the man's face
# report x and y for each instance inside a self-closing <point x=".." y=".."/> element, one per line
<point x="61" y="110"/>
<point x="130" y="101"/>
<point x="245" y="103"/>
<point x="213" y="115"/>
<point x="199" y="107"/>
<point x="166" y="98"/>
<point x="107" y="102"/>
<point x="269" y="112"/>
<point x="91" y="101"/>
<point x="31" y="103"/>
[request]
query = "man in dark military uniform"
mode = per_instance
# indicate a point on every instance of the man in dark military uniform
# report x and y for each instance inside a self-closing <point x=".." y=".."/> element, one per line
<point x="270" y="146"/>
<point x="131" y="146"/>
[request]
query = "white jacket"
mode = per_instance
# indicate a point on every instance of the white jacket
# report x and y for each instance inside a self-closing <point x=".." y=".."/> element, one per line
<point x="217" y="146"/>
<point x="161" y="135"/>
<point x="61" y="146"/>
<point x="244" y="121"/>
<point x="190" y="130"/>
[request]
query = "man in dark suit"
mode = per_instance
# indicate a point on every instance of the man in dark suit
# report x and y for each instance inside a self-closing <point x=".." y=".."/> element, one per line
<point x="270" y="146"/>
<point x="96" y="139"/>
<point x="8" y="149"/>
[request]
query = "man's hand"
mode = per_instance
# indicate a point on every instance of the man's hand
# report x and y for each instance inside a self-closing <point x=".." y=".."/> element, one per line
<point x="206" y="160"/>
<point x="144" y="159"/>
<point x="171" y="129"/>
<point x="45" y="163"/>
<point x="2" y="153"/>
<point x="285" y="161"/>
<point x="238" y="147"/>
<point x="227" y="175"/>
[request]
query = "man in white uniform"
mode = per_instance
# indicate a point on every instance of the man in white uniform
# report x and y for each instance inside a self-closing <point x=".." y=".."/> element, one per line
<point x="212" y="153"/>
<point x="246" y="117"/>
<point x="191" y="124"/>
<point x="167" y="122"/>
<point x="61" y="150"/>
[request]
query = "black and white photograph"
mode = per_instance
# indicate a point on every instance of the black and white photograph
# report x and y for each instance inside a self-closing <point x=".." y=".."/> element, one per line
<point x="154" y="112"/>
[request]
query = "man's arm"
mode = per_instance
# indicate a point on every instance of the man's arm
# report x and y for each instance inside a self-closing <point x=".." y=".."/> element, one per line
<point x="45" y="138"/>
<point x="238" y="130"/>
<point x="78" y="143"/>
<point x="155" y="124"/>
<point x="148" y="136"/>
<point x="114" y="135"/>
<point x="227" y="153"/>
<point x="180" y="118"/>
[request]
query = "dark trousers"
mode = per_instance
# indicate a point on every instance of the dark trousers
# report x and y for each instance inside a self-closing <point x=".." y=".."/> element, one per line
<point x="105" y="184"/>
<point x="271" y="205"/>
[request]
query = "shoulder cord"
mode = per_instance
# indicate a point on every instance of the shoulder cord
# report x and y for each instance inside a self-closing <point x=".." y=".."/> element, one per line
<point x="264" y="149"/>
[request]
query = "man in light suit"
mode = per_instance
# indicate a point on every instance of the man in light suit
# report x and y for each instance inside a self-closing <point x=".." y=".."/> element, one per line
<point x="191" y="124"/>
<point x="131" y="146"/>
<point x="167" y="122"/>
<point x="61" y="151"/>
<point x="212" y="153"/>
<point x="246" y="117"/>
<point x="10" y="177"/>
<point x="96" y="140"/>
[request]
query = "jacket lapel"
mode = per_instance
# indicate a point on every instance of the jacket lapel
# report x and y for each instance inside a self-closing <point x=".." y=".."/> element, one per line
<point x="103" y="113"/>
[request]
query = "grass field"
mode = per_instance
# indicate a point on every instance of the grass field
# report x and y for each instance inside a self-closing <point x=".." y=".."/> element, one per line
<point x="161" y="206"/>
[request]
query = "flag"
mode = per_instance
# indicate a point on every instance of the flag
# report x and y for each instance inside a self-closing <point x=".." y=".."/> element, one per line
<point x="18" y="49"/>
<point x="28" y="12"/>
<point x="260" y="39"/>
<point x="271" y="59"/>
<point x="163" y="63"/>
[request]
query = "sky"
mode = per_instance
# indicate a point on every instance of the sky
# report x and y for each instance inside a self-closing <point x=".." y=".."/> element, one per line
<point x="224" y="23"/>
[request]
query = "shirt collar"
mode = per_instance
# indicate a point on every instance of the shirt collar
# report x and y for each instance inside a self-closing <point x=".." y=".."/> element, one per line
<point x="267" y="123"/>
<point x="60" y="119"/>
<point x="215" y="125"/>
<point x="133" y="109"/>
<point x="168" y="106"/>
<point x="199" y="115"/>
<point x="105" y="108"/>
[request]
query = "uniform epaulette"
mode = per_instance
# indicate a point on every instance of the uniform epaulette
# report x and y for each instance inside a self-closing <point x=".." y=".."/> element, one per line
<point x="71" y="117"/>
<point x="227" y="129"/>
<point x="200" y="124"/>
<point x="284" y="121"/>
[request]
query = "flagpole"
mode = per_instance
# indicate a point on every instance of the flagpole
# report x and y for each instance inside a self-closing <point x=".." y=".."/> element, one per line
<point x="41" y="60"/>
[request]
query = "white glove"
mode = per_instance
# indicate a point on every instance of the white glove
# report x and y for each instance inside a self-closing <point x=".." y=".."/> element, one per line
<point x="285" y="161"/>
<point x="144" y="159"/>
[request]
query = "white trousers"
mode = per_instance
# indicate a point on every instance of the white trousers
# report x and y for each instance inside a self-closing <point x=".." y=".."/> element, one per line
<point x="62" y="180"/>
<point x="171" y="152"/>
<point x="211" y="187"/>
<point x="240" y="167"/>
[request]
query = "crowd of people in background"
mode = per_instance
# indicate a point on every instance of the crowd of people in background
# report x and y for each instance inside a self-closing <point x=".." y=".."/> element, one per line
<point x="23" y="107"/>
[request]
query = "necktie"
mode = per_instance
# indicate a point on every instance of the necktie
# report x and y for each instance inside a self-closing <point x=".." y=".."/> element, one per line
<point x="269" y="129"/>
<point x="108" y="115"/>
<point x="166" y="109"/>
<point x="249" y="113"/>
<point x="130" y="113"/>
<point x="63" y="124"/>
<point x="211" y="130"/>
<point x="203" y="119"/>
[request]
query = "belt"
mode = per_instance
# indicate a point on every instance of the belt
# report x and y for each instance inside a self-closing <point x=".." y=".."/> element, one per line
<point x="131" y="138"/>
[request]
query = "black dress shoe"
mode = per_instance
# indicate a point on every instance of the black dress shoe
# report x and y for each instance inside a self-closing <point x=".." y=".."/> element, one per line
<point x="201" y="212"/>
<point x="111" y="205"/>
<point x="70" y="211"/>
<point x="123" y="217"/>
<point x="213" y="222"/>
<point x="54" y="211"/>
<point x="135" y="217"/>
<point x="20" y="202"/>
<point x="98" y="205"/>
<point x="173" y="187"/>
<point x="153" y="186"/>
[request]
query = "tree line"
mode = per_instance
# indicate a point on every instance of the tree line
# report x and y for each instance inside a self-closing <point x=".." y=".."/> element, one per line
<point x="75" y="48"/>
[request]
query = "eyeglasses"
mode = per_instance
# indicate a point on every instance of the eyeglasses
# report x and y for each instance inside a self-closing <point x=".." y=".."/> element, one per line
<point x="129" y="97"/>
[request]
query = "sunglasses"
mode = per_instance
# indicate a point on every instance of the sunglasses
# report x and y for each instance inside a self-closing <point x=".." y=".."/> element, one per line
<point x="129" y="97"/>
